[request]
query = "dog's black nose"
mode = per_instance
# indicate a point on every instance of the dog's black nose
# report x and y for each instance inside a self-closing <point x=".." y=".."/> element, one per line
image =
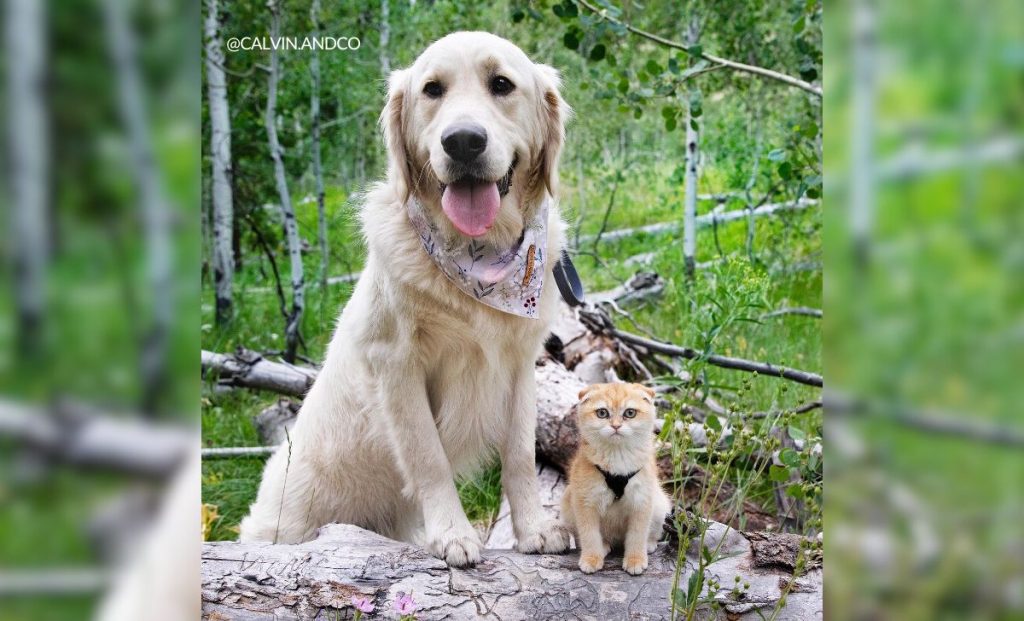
<point x="464" y="141"/>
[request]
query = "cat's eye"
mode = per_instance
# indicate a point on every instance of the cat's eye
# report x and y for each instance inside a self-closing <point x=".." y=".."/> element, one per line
<point x="433" y="89"/>
<point x="500" y="85"/>
<point x="629" y="413"/>
<point x="602" y="413"/>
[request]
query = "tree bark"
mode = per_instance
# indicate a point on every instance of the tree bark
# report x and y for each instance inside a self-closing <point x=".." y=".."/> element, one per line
<point x="318" y="176"/>
<point x="690" y="178"/>
<point x="319" y="578"/>
<point x="28" y="161"/>
<point x="153" y="204"/>
<point x="220" y="155"/>
<point x="385" y="38"/>
<point x="294" y="318"/>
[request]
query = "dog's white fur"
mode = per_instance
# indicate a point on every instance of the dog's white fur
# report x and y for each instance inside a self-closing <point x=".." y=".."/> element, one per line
<point x="422" y="383"/>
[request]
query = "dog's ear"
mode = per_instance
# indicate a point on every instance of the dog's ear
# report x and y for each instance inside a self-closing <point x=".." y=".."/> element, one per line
<point x="393" y="123"/>
<point x="555" y="113"/>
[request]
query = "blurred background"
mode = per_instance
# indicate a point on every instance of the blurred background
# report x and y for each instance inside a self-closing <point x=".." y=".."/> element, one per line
<point x="924" y="298"/>
<point x="108" y="183"/>
<point x="99" y="295"/>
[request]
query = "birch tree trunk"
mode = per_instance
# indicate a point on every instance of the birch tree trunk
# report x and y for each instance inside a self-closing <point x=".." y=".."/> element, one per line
<point x="690" y="178"/>
<point x="220" y="153"/>
<point x="27" y="158"/>
<point x="862" y="174"/>
<point x="385" y="38"/>
<point x="153" y="203"/>
<point x="314" y="107"/>
<point x="294" y="318"/>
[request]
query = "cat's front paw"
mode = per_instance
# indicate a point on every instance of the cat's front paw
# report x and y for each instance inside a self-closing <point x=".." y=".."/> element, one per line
<point x="635" y="563"/>
<point x="457" y="547"/>
<point x="549" y="537"/>
<point x="589" y="563"/>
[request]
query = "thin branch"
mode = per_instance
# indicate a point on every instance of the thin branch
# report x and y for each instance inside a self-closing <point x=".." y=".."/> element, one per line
<point x="797" y="310"/>
<point x="752" y="69"/>
<point x="725" y="362"/>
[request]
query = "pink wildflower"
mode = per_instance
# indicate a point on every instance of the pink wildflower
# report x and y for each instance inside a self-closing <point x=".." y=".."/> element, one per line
<point x="404" y="605"/>
<point x="363" y="604"/>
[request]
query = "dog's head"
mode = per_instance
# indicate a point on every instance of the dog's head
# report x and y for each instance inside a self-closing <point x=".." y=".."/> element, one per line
<point x="474" y="130"/>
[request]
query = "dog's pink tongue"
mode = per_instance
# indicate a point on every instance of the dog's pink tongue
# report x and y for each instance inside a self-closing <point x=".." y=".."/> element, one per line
<point x="472" y="208"/>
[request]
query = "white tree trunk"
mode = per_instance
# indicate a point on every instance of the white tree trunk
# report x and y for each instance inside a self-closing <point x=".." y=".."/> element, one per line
<point x="28" y="162"/>
<point x="314" y="107"/>
<point x="220" y="153"/>
<point x="153" y="204"/>
<point x="291" y="230"/>
<point x="385" y="38"/>
<point x="862" y="126"/>
<point x="690" y="197"/>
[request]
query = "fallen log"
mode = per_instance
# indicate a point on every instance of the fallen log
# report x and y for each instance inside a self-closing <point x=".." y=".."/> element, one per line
<point x="76" y="434"/>
<point x="247" y="369"/>
<point x="319" y="578"/>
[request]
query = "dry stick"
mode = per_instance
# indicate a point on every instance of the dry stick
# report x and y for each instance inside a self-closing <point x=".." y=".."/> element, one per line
<point x="753" y="69"/>
<point x="797" y="310"/>
<point x="944" y="423"/>
<point x="726" y="362"/>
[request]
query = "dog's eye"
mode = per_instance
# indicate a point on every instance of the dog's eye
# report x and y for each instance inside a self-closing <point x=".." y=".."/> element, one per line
<point x="500" y="85"/>
<point x="602" y="413"/>
<point x="629" y="413"/>
<point x="433" y="89"/>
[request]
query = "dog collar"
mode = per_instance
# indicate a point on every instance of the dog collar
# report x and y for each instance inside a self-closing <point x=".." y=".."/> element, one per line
<point x="616" y="482"/>
<point x="507" y="279"/>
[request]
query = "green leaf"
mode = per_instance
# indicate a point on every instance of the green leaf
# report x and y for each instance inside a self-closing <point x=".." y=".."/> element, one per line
<point x="570" y="40"/>
<point x="671" y="124"/>
<point x="795" y="490"/>
<point x="813" y="193"/>
<point x="597" y="52"/>
<point x="694" y="125"/>
<point x="785" y="170"/>
<point x="779" y="474"/>
<point x="693" y="587"/>
<point x="713" y="422"/>
<point x="570" y="9"/>
<point x="558" y="10"/>
<point x="668" y="112"/>
<point x="706" y="553"/>
<point x="790" y="457"/>
<point x="652" y="67"/>
<point x="810" y="130"/>
<point x="695" y="50"/>
<point x="797" y="433"/>
<point x="673" y="65"/>
<point x="623" y="85"/>
<point x="518" y="15"/>
<point x="799" y="24"/>
<point x="777" y="155"/>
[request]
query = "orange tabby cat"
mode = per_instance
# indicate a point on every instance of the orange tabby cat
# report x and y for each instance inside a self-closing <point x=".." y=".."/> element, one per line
<point x="614" y="497"/>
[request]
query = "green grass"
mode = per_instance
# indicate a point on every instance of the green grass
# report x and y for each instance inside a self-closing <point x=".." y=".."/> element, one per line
<point x="686" y="314"/>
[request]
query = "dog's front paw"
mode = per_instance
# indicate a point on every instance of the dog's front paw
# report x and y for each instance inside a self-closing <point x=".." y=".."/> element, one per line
<point x="635" y="563"/>
<point x="549" y="537"/>
<point x="457" y="548"/>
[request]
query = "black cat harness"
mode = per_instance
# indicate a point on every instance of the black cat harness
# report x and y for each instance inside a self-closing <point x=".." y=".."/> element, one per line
<point x="616" y="482"/>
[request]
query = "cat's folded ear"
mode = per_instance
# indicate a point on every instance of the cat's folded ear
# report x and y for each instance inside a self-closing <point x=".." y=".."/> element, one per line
<point x="647" y="390"/>
<point x="583" y="393"/>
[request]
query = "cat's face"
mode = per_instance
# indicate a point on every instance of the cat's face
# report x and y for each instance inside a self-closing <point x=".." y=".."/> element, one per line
<point x="616" y="413"/>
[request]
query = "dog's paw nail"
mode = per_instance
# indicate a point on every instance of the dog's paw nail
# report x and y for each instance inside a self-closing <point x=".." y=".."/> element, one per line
<point x="635" y="563"/>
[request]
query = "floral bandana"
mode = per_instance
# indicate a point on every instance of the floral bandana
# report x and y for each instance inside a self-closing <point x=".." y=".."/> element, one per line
<point x="508" y="280"/>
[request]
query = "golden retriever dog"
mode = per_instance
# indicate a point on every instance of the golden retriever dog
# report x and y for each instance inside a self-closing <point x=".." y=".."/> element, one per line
<point x="423" y="383"/>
